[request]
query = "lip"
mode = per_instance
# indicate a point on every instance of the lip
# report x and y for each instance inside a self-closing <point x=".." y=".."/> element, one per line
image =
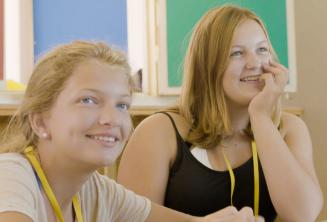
<point x="105" y="139"/>
<point x="250" y="78"/>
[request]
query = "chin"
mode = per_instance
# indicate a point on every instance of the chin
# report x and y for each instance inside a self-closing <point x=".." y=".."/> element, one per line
<point x="244" y="101"/>
<point x="108" y="160"/>
<point x="250" y="94"/>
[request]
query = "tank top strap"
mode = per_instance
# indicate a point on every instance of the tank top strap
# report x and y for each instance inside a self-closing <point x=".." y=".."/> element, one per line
<point x="182" y="147"/>
<point x="178" y="136"/>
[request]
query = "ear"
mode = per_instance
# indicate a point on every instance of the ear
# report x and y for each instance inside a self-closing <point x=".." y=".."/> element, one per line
<point x="38" y="124"/>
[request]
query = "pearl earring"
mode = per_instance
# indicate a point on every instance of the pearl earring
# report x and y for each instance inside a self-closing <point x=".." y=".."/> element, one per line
<point x="44" y="135"/>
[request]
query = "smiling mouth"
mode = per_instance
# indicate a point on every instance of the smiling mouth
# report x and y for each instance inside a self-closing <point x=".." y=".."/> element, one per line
<point x="251" y="78"/>
<point x="107" y="139"/>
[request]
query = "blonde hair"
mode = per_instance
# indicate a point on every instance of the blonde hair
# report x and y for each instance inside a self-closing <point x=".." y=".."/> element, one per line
<point x="47" y="81"/>
<point x="202" y="100"/>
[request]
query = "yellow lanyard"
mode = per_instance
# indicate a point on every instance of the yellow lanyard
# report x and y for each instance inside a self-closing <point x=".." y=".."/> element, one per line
<point x="29" y="152"/>
<point x="256" y="177"/>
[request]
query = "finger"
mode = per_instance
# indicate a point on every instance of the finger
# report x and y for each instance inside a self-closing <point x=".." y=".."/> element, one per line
<point x="278" y="65"/>
<point x="268" y="78"/>
<point x="247" y="214"/>
<point x="225" y="212"/>
<point x="229" y="209"/>
<point x="234" y="218"/>
<point x="274" y="69"/>
<point x="280" y="74"/>
<point x="281" y="79"/>
<point x="259" y="219"/>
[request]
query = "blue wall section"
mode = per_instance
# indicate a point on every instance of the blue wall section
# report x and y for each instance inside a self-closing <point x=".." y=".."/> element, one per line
<point x="62" y="21"/>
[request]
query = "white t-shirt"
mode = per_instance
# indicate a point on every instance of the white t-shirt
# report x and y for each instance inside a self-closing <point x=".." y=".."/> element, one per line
<point x="202" y="156"/>
<point x="102" y="199"/>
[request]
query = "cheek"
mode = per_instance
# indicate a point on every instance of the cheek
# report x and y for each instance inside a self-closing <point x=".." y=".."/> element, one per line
<point x="77" y="123"/>
<point x="83" y="120"/>
<point x="234" y="69"/>
<point x="127" y="125"/>
<point x="265" y="59"/>
<point x="230" y="78"/>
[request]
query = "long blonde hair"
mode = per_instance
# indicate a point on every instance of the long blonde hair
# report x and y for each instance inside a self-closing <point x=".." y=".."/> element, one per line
<point x="47" y="81"/>
<point x="202" y="100"/>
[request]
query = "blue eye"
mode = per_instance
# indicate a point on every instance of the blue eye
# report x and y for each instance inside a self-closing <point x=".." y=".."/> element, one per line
<point x="236" y="53"/>
<point x="263" y="49"/>
<point x="123" y="106"/>
<point x="88" y="100"/>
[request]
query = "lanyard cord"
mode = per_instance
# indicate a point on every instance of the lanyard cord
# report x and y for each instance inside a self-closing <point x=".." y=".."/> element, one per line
<point x="232" y="177"/>
<point x="255" y="173"/>
<point x="29" y="152"/>
<point x="256" y="178"/>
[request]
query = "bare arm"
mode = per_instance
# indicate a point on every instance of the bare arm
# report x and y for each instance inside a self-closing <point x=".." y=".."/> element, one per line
<point x="286" y="160"/>
<point x="228" y="214"/>
<point x="14" y="217"/>
<point x="145" y="164"/>
<point x="288" y="168"/>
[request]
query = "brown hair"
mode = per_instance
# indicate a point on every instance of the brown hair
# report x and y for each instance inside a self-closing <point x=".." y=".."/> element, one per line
<point x="202" y="100"/>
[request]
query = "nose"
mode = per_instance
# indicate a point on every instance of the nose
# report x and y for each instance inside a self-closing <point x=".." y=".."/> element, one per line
<point x="109" y="116"/>
<point x="253" y="61"/>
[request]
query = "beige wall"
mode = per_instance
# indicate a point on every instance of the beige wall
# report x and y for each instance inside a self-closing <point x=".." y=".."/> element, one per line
<point x="311" y="46"/>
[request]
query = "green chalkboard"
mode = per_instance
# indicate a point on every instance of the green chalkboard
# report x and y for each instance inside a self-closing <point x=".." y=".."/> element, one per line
<point x="183" y="14"/>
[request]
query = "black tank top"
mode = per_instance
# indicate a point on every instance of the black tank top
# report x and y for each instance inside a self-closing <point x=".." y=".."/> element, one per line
<point x="194" y="189"/>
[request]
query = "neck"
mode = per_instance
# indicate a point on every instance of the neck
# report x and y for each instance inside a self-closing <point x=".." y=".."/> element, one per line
<point x="239" y="118"/>
<point x="64" y="177"/>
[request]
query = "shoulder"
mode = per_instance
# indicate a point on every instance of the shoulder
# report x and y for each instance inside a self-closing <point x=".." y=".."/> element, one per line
<point x="100" y="182"/>
<point x="93" y="191"/>
<point x="99" y="186"/>
<point x="291" y="122"/>
<point x="12" y="156"/>
<point x="103" y="196"/>
<point x="19" y="190"/>
<point x="94" y="186"/>
<point x="160" y="123"/>
<point x="296" y="133"/>
<point x="16" y="171"/>
<point x="15" y="162"/>
<point x="157" y="131"/>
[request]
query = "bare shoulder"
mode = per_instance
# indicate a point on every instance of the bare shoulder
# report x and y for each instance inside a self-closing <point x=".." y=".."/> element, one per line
<point x="297" y="135"/>
<point x="149" y="155"/>
<point x="292" y="122"/>
<point x="160" y="123"/>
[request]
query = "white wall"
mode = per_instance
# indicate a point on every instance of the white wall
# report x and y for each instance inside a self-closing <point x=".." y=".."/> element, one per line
<point x="18" y="39"/>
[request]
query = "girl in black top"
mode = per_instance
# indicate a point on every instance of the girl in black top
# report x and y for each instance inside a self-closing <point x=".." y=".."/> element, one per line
<point x="228" y="110"/>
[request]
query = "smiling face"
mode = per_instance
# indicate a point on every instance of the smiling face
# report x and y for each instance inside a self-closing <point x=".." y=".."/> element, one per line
<point x="90" y="122"/>
<point x="250" y="49"/>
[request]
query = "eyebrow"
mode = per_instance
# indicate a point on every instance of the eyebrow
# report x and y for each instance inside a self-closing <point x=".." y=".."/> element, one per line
<point x="263" y="41"/>
<point x="100" y="92"/>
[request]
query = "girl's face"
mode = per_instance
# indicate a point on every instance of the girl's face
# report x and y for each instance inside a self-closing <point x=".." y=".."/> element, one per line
<point x="90" y="122"/>
<point x="249" y="51"/>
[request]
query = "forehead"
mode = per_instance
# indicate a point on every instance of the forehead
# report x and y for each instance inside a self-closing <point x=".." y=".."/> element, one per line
<point x="99" y="75"/>
<point x="95" y="70"/>
<point x="249" y="30"/>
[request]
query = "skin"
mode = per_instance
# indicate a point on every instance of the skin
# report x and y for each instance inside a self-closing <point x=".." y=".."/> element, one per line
<point x="285" y="154"/>
<point x="90" y="118"/>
